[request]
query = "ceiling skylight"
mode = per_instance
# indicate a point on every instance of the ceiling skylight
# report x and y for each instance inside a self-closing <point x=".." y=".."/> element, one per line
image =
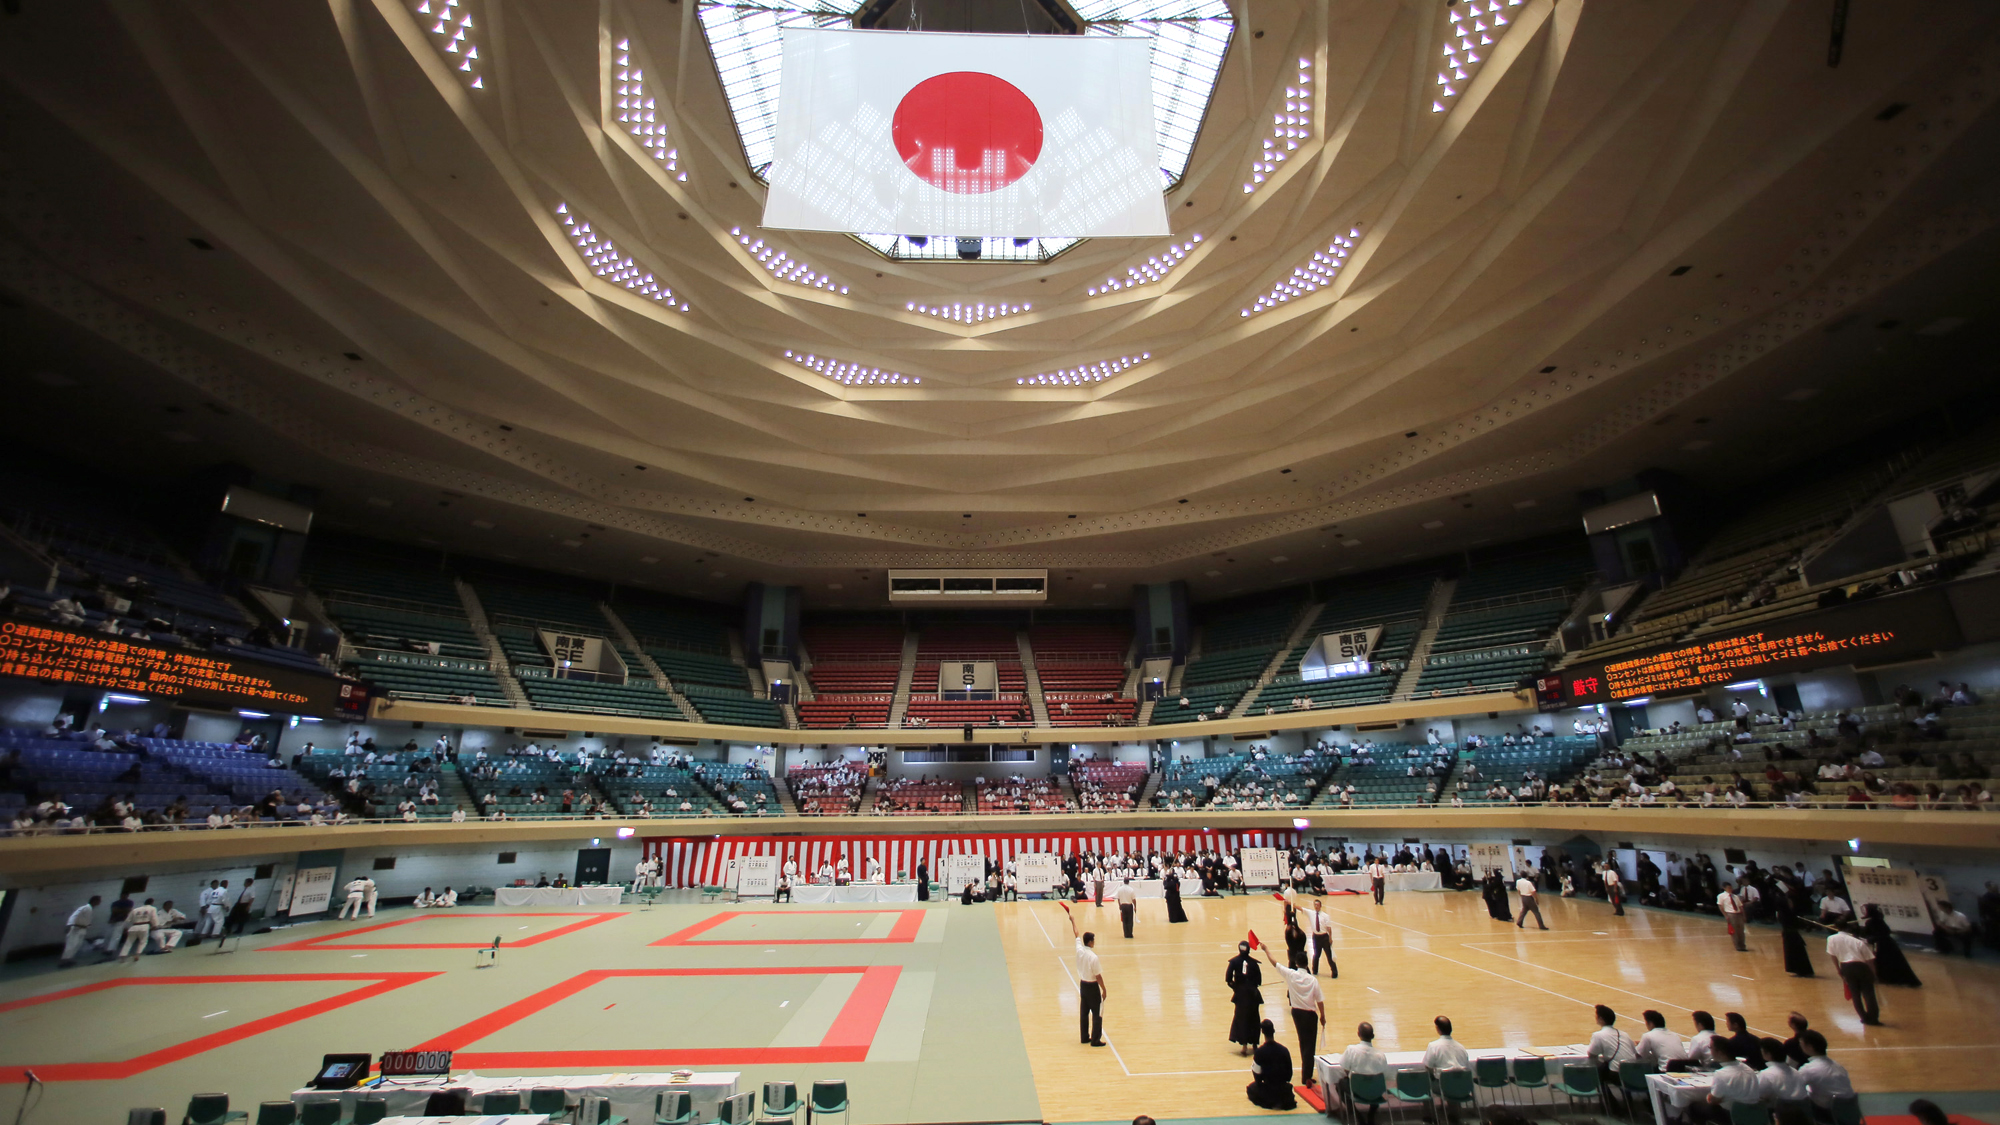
<point x="1190" y="40"/>
<point x="1089" y="373"/>
<point x="851" y="374"/>
<point x="1310" y="276"/>
<point x="1152" y="269"/>
<point x="612" y="264"/>
<point x="450" y="25"/>
<point x="783" y="266"/>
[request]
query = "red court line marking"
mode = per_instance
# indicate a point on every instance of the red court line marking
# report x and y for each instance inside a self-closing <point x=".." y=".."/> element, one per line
<point x="126" y="1068"/>
<point x="904" y="931"/>
<point x="334" y="941"/>
<point x="847" y="1040"/>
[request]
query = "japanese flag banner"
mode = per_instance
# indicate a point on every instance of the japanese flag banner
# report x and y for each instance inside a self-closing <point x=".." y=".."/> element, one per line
<point x="999" y="136"/>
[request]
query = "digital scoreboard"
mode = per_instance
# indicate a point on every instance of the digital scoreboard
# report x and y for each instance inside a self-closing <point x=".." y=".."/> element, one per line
<point x="181" y="675"/>
<point x="1867" y="632"/>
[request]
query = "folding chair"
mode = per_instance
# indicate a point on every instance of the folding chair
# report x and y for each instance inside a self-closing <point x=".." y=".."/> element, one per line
<point x="1414" y="1086"/>
<point x="277" y="1113"/>
<point x="1370" y="1090"/>
<point x="1455" y="1088"/>
<point x="829" y="1095"/>
<point x="737" y="1109"/>
<point x="1632" y="1080"/>
<point x="1490" y="1073"/>
<point x="145" y="1115"/>
<point x="1531" y="1073"/>
<point x="367" y="1111"/>
<point x="320" y="1113"/>
<point x="499" y="1103"/>
<point x="550" y="1100"/>
<point x="673" y="1107"/>
<point x="1749" y="1113"/>
<point x="1579" y="1080"/>
<point x="486" y="957"/>
<point x="781" y="1099"/>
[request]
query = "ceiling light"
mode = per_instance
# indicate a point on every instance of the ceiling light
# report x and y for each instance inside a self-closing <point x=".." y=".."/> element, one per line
<point x="639" y="112"/>
<point x="851" y="374"/>
<point x="1155" y="268"/>
<point x="1089" y="373"/>
<point x="1468" y="41"/>
<point x="1290" y="127"/>
<point x="783" y="266"/>
<point x="1309" y="276"/>
<point x="608" y="262"/>
<point x="451" y="28"/>
<point x="976" y="313"/>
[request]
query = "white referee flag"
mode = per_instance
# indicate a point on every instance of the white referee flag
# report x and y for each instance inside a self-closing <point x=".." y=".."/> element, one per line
<point x="1000" y="136"/>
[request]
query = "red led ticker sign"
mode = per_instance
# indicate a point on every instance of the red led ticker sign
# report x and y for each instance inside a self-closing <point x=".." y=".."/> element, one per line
<point x="41" y="652"/>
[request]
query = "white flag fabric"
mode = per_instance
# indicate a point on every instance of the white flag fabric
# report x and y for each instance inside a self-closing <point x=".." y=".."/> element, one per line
<point x="999" y="136"/>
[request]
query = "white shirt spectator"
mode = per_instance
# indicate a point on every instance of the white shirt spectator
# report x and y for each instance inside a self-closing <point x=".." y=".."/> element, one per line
<point x="1826" y="1080"/>
<point x="1780" y="1083"/>
<point x="1445" y="1053"/>
<point x="1364" y="1058"/>
<point x="1610" y="1046"/>
<point x="1736" y="1083"/>
<point x="1658" y="1047"/>
<point x="1699" y="1049"/>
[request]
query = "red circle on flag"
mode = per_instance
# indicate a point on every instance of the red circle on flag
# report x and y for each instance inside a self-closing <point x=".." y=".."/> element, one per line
<point x="967" y="132"/>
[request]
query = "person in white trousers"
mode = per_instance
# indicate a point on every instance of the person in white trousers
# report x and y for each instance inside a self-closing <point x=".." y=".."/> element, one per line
<point x="373" y="890"/>
<point x="210" y="910"/>
<point x="138" y="927"/>
<point x="80" y="921"/>
<point x="357" y="889"/>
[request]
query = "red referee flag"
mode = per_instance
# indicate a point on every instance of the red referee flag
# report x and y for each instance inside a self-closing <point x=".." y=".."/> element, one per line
<point x="1064" y="905"/>
<point x="1254" y="943"/>
<point x="1277" y="895"/>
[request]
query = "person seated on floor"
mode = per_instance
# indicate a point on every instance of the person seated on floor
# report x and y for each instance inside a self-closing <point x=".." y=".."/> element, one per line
<point x="423" y="901"/>
<point x="1271" y="1073"/>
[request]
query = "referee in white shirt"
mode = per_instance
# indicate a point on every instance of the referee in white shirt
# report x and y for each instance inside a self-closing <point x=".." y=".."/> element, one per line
<point x="1308" y="1010"/>
<point x="1378" y="878"/>
<point x="1319" y="928"/>
<point x="1090" y="990"/>
<point x="1855" y="962"/>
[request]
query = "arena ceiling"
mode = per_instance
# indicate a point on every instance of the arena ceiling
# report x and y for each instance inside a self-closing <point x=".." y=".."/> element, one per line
<point x="480" y="301"/>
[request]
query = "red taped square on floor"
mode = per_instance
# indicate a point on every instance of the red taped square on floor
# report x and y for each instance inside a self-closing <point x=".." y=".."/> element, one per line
<point x="902" y="933"/>
<point x="338" y="940"/>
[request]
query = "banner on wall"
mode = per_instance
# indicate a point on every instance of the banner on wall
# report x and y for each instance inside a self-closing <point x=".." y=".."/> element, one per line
<point x="701" y="861"/>
<point x="1260" y="866"/>
<point x="312" y="890"/>
<point x="1897" y="892"/>
<point x="962" y="869"/>
<point x="1036" y="873"/>
<point x="1488" y="857"/>
<point x="757" y="876"/>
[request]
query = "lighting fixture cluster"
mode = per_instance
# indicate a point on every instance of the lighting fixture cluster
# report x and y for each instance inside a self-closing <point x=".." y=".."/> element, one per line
<point x="783" y="266"/>
<point x="451" y="22"/>
<point x="969" y="314"/>
<point x="639" y="112"/>
<point x="1468" y="35"/>
<point x="1287" y="129"/>
<point x="607" y="262"/>
<point x="851" y="374"/>
<point x="1317" y="271"/>
<point x="1152" y="269"/>
<point x="1089" y="373"/>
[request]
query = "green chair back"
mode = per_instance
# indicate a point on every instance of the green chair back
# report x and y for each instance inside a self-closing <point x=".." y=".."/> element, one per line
<point x="1632" y="1076"/>
<point x="737" y="1109"/>
<point x="207" y="1107"/>
<point x="276" y="1113"/>
<point x="367" y="1111"/>
<point x="1531" y="1072"/>
<point x="1748" y="1113"/>
<point x="1489" y="1072"/>
<point x="781" y="1099"/>
<point x="497" y="1103"/>
<point x="1413" y="1085"/>
<point x="1367" y="1089"/>
<point x="146" y="1115"/>
<point x="1455" y="1085"/>
<point x="320" y="1113"/>
<point x="552" y="1101"/>
<point x="672" y="1107"/>
<point x="829" y="1095"/>
<point x="1847" y="1111"/>
<point x="1579" y="1080"/>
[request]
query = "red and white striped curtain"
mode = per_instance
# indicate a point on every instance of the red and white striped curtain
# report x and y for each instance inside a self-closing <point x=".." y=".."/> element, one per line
<point x="696" y="861"/>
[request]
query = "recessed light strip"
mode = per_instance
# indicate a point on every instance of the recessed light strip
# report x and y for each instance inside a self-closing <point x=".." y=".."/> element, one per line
<point x="783" y="266"/>
<point x="1288" y="130"/>
<point x="851" y="374"/>
<point x="613" y="265"/>
<point x="1468" y="36"/>
<point x="639" y="112"/>
<point x="1089" y="373"/>
<point x="450" y="23"/>
<point x="1155" y="268"/>
<point x="976" y="313"/>
<point x="1310" y="276"/>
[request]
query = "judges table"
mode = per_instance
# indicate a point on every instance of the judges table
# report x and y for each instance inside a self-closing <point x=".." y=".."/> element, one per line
<point x="1396" y="881"/>
<point x="558" y="896"/>
<point x="497" y="1119"/>
<point x="1330" y="1073"/>
<point x="855" y="892"/>
<point x="1678" y="1091"/>
<point x="631" y="1095"/>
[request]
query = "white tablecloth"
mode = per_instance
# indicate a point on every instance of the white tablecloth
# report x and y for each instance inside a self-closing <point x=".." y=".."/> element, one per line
<point x="1676" y="1090"/>
<point x="558" y="896"/>
<point x="1329" y="1069"/>
<point x="856" y="892"/>
<point x="631" y="1094"/>
<point x="504" y="1119"/>
<point x="1397" y="881"/>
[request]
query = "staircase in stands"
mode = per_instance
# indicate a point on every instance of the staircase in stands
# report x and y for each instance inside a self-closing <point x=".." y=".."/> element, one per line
<point x="631" y="642"/>
<point x="785" y="803"/>
<point x="1440" y="600"/>
<point x="1308" y="614"/>
<point x="496" y="657"/>
<point x="1037" y="705"/>
<point x="1152" y="787"/>
<point x="900" y="702"/>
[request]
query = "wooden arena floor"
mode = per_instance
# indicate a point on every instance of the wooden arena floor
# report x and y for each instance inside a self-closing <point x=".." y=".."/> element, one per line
<point x="1427" y="954"/>
<point x="974" y="1014"/>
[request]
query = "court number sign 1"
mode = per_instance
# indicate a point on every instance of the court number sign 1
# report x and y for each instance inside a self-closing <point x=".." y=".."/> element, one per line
<point x="398" y="1064"/>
